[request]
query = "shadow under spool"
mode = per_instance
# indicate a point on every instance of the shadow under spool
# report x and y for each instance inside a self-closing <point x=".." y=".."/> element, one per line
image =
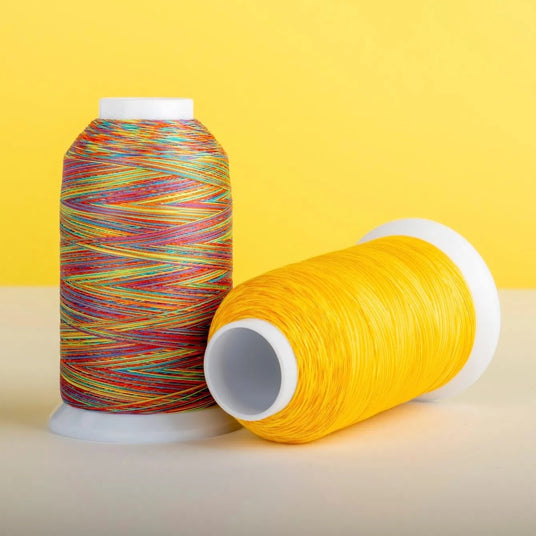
<point x="250" y="366"/>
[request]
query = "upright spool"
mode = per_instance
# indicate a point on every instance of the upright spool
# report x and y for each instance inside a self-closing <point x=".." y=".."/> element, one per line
<point x="251" y="367"/>
<point x="135" y="427"/>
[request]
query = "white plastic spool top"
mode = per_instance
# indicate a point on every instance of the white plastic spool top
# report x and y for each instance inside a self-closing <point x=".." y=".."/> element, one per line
<point x="250" y="366"/>
<point x="141" y="428"/>
<point x="150" y="108"/>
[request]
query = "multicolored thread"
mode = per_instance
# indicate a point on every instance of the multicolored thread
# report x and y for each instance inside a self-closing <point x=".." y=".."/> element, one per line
<point x="145" y="261"/>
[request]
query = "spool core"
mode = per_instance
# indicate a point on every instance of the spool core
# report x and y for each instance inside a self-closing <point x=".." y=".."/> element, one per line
<point x="251" y="367"/>
<point x="240" y="390"/>
<point x="141" y="428"/>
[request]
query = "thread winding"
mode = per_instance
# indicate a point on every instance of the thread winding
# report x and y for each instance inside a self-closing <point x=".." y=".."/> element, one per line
<point x="371" y="327"/>
<point x="146" y="253"/>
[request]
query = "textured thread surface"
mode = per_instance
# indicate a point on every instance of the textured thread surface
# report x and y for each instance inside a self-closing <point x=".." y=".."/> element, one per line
<point x="371" y="327"/>
<point x="145" y="262"/>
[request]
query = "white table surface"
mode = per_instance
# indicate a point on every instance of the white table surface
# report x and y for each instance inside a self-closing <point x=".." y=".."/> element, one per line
<point x="466" y="466"/>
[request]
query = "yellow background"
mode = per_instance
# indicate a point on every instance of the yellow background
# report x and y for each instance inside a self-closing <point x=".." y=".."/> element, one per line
<point x="337" y="116"/>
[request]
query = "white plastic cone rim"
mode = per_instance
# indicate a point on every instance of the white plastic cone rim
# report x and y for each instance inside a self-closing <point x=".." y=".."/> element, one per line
<point x="132" y="428"/>
<point x="214" y="363"/>
<point x="480" y="283"/>
<point x="149" y="108"/>
<point x="460" y="251"/>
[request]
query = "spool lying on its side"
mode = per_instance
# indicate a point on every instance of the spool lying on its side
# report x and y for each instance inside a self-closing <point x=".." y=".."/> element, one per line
<point x="251" y="368"/>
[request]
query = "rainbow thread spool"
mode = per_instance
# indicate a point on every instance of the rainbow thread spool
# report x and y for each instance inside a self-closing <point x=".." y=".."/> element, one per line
<point x="145" y="261"/>
<point x="411" y="312"/>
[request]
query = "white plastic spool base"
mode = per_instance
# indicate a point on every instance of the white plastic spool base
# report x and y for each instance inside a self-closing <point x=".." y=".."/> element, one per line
<point x="142" y="428"/>
<point x="250" y="366"/>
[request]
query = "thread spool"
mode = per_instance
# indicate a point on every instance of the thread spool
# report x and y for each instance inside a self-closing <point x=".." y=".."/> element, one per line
<point x="134" y="182"/>
<point x="264" y="372"/>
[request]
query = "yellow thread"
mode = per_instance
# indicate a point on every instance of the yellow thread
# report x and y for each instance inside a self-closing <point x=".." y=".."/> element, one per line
<point x="372" y="326"/>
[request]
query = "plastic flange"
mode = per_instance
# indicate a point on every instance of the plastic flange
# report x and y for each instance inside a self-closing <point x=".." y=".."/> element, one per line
<point x="140" y="428"/>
